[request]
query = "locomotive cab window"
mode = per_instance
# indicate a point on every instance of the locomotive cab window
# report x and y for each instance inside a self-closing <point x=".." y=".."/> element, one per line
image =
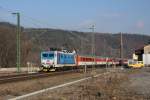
<point x="45" y="55"/>
<point x="51" y="55"/>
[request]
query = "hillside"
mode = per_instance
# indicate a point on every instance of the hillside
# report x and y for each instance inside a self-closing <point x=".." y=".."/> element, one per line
<point x="33" y="41"/>
<point x="106" y="44"/>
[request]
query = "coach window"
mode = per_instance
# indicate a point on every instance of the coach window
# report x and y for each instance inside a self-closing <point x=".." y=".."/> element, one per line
<point x="81" y="59"/>
<point x="90" y="59"/>
<point x="84" y="59"/>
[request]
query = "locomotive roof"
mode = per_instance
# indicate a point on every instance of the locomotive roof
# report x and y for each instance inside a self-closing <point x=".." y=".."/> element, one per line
<point x="59" y="52"/>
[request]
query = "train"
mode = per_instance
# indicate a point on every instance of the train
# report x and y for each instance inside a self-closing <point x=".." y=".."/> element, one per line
<point x="53" y="60"/>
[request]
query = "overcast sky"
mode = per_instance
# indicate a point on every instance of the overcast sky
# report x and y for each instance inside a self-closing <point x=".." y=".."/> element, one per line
<point x="113" y="16"/>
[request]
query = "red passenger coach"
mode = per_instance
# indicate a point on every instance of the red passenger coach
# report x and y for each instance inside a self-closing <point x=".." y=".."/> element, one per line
<point x="89" y="60"/>
<point x="84" y="60"/>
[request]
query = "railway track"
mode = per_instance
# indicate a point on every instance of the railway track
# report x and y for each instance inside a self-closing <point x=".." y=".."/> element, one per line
<point x="26" y="76"/>
<point x="22" y="77"/>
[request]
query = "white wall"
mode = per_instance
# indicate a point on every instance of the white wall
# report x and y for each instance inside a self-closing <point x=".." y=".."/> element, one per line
<point x="146" y="59"/>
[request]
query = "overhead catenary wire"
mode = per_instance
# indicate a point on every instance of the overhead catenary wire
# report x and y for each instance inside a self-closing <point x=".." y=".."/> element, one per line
<point x="40" y="24"/>
<point x="26" y="18"/>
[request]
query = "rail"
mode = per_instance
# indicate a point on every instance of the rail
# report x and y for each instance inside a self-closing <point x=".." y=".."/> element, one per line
<point x="22" y="77"/>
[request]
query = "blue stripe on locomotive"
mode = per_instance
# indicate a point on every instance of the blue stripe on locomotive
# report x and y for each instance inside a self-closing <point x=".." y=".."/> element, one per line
<point x="65" y="58"/>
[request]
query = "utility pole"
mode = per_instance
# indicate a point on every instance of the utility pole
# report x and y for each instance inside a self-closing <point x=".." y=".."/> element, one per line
<point x="121" y="48"/>
<point x="93" y="44"/>
<point x="104" y="48"/>
<point x="18" y="41"/>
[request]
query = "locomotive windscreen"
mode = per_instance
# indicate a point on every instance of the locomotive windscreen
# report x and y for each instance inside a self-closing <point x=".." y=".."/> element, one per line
<point x="48" y="55"/>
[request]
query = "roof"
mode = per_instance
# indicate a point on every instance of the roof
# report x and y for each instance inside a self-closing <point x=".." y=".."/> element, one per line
<point x="139" y="51"/>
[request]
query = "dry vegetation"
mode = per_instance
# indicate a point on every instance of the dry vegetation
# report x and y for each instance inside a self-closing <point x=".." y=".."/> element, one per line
<point x="8" y="46"/>
<point x="10" y="90"/>
<point x="113" y="86"/>
<point x="109" y="87"/>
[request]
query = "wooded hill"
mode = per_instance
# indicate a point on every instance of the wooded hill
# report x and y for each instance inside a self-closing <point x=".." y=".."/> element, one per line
<point x="35" y="40"/>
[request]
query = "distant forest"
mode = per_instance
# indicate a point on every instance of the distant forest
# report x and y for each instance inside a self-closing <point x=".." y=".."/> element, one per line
<point x="35" y="40"/>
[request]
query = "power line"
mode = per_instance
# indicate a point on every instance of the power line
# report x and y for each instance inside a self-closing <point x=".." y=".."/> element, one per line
<point x="7" y="10"/>
<point x="35" y="21"/>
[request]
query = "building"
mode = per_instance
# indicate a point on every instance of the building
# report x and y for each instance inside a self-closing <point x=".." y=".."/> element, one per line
<point x="143" y="54"/>
<point x="138" y="54"/>
<point x="147" y="49"/>
<point x="146" y="55"/>
<point x="134" y="56"/>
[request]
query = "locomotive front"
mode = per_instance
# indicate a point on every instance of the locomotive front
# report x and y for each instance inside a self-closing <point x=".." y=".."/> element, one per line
<point x="47" y="59"/>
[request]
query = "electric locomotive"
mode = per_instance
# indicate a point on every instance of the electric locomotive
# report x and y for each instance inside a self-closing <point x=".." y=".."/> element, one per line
<point x="52" y="60"/>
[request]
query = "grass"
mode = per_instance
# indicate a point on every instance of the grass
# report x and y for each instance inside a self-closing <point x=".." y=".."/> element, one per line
<point x="108" y="87"/>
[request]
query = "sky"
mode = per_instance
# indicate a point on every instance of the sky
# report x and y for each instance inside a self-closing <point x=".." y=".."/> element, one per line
<point x="113" y="16"/>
